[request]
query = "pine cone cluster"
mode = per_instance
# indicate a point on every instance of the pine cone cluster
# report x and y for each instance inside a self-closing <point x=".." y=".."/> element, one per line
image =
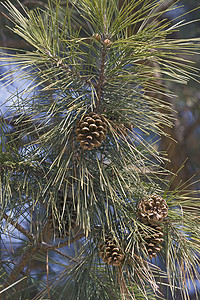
<point x="152" y="210"/>
<point x="110" y="252"/>
<point x="152" y="240"/>
<point x="91" y="131"/>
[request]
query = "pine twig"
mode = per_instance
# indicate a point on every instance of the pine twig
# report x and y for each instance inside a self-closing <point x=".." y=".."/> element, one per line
<point x="17" y="226"/>
<point x="65" y="255"/>
<point x="47" y="267"/>
<point x="122" y="284"/>
<point x="7" y="288"/>
<point x="20" y="266"/>
<point x="101" y="74"/>
<point x="57" y="246"/>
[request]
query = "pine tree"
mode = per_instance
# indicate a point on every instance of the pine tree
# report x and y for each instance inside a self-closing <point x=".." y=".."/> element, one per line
<point x="84" y="191"/>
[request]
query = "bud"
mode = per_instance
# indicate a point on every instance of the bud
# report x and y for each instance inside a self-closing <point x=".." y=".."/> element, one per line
<point x="107" y="42"/>
<point x="96" y="36"/>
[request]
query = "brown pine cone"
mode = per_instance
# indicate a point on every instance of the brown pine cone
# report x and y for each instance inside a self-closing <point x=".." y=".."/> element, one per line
<point x="110" y="252"/>
<point x="152" y="210"/>
<point x="91" y="131"/>
<point x="152" y="241"/>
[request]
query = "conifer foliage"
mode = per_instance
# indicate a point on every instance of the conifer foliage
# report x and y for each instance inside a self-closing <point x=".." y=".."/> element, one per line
<point x="85" y="199"/>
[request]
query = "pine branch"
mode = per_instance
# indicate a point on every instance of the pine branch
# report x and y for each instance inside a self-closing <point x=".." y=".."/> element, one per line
<point x="107" y="183"/>
<point x="44" y="245"/>
<point x="47" y="269"/>
<point x="7" y="288"/>
<point x="17" y="226"/>
<point x="122" y="284"/>
<point x="65" y="255"/>
<point x="26" y="257"/>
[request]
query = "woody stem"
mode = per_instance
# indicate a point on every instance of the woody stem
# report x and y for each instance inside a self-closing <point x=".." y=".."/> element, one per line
<point x="101" y="75"/>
